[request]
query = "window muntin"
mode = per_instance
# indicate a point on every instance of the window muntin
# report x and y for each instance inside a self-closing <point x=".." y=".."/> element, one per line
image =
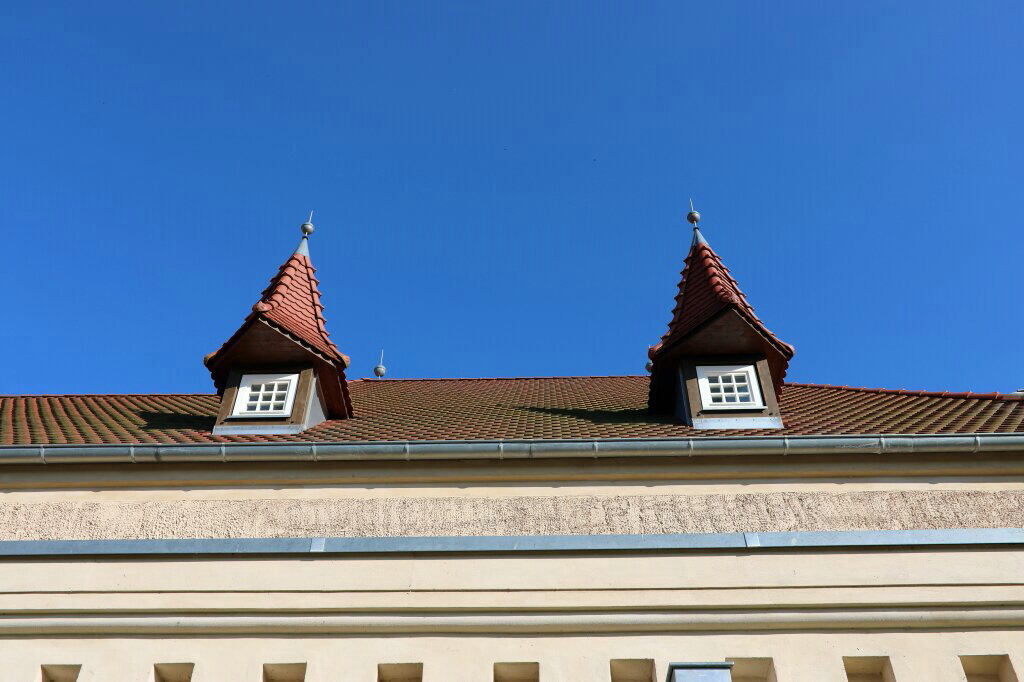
<point x="729" y="387"/>
<point x="265" y="395"/>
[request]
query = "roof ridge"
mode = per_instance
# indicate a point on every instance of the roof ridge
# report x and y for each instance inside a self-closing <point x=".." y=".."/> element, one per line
<point x="912" y="392"/>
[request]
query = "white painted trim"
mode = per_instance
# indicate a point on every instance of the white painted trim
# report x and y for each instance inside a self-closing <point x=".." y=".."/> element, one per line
<point x="737" y="422"/>
<point x="246" y="382"/>
<point x="705" y="371"/>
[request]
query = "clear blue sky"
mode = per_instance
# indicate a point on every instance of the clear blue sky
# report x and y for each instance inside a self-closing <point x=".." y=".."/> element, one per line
<point x="500" y="187"/>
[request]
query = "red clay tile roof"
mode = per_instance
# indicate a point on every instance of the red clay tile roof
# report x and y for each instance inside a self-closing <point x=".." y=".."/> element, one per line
<point x="707" y="288"/>
<point x="291" y="303"/>
<point x="492" y="409"/>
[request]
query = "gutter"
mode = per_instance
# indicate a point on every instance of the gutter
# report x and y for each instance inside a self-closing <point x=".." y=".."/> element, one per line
<point x="518" y="544"/>
<point x="940" y="444"/>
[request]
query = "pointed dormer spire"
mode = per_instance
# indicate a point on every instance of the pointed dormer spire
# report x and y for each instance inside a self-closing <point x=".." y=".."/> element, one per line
<point x="287" y="326"/>
<point x="711" y="319"/>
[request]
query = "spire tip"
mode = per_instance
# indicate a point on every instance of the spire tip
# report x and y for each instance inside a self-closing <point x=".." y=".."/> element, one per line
<point x="307" y="227"/>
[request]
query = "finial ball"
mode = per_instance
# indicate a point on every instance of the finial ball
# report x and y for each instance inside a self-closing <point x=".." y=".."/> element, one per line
<point x="379" y="371"/>
<point x="693" y="218"/>
<point x="649" y="366"/>
<point x="307" y="228"/>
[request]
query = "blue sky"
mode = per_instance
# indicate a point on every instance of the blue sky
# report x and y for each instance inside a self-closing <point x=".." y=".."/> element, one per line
<point x="500" y="187"/>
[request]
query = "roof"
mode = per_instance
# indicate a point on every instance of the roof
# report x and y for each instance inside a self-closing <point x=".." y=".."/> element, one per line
<point x="503" y="409"/>
<point x="291" y="304"/>
<point x="705" y="289"/>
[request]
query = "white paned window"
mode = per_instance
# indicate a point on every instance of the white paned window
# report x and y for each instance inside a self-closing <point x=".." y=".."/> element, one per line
<point x="265" y="395"/>
<point x="729" y="387"/>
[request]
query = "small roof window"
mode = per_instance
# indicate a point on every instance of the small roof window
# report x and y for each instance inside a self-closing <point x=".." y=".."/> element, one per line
<point x="729" y="387"/>
<point x="265" y="395"/>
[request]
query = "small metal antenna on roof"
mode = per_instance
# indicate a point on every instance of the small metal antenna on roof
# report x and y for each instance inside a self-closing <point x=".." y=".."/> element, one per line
<point x="380" y="370"/>
<point x="693" y="217"/>
<point x="307" y="227"/>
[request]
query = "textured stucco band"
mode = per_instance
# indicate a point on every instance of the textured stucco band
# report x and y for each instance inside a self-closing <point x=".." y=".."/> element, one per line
<point x="616" y="514"/>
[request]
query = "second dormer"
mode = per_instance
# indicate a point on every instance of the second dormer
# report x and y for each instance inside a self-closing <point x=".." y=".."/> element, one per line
<point x="280" y="373"/>
<point x="717" y="366"/>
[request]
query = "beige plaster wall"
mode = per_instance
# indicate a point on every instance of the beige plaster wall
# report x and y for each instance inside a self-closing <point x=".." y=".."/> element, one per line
<point x="458" y="615"/>
<point x="914" y="657"/>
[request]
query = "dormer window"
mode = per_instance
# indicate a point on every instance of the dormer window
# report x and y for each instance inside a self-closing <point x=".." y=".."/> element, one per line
<point x="728" y="387"/>
<point x="280" y="373"/>
<point x="265" y="395"/>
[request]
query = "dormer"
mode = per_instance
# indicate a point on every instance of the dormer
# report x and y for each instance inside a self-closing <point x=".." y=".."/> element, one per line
<point x="717" y="366"/>
<point x="280" y="373"/>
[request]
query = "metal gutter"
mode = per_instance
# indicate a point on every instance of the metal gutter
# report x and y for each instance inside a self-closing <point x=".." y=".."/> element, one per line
<point x="958" y="444"/>
<point x="513" y="544"/>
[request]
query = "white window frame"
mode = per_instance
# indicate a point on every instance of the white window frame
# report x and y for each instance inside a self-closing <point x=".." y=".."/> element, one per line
<point x="705" y="371"/>
<point x="246" y="383"/>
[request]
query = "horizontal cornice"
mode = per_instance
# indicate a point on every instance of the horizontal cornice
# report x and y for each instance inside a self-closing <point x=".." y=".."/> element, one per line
<point x="961" y="617"/>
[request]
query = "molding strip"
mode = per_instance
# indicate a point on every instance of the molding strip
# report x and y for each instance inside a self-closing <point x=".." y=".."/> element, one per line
<point x="505" y="622"/>
<point x="513" y="544"/>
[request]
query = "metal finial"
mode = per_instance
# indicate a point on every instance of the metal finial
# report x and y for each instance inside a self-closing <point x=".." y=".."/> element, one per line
<point x="693" y="217"/>
<point x="307" y="227"/>
<point x="380" y="370"/>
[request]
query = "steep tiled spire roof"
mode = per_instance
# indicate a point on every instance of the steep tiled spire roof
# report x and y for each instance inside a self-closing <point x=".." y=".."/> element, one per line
<point x="707" y="288"/>
<point x="291" y="304"/>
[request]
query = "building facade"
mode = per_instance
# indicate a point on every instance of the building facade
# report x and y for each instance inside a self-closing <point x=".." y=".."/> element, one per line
<point x="296" y="525"/>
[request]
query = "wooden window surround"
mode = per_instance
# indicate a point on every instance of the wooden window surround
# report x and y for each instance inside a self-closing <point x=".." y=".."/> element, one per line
<point x="692" y="405"/>
<point x="294" y="420"/>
